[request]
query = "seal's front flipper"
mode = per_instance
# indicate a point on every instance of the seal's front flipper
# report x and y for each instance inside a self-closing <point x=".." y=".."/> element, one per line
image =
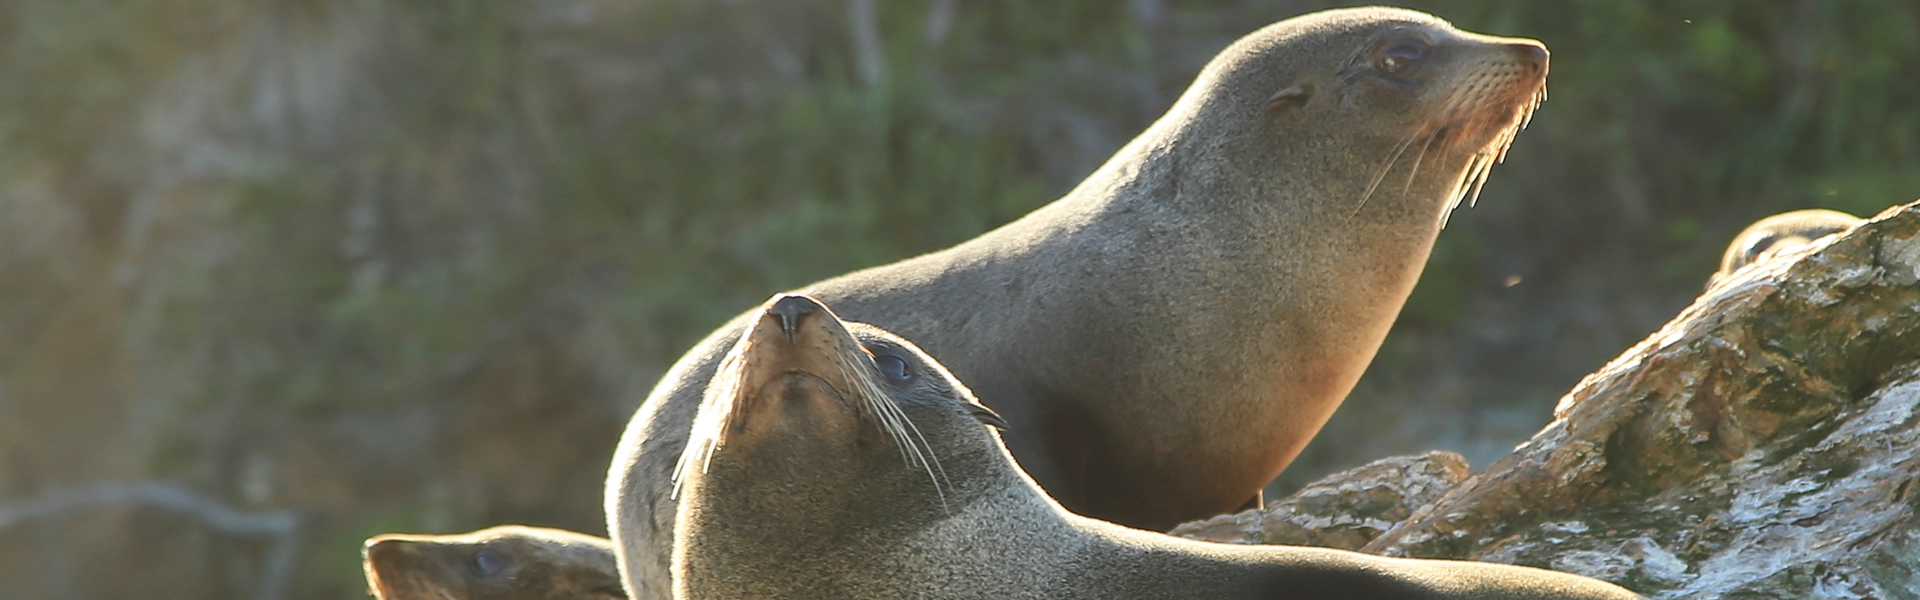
<point x="1257" y="502"/>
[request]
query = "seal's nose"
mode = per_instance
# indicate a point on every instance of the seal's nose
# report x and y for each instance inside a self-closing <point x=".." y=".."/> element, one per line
<point x="791" y="310"/>
<point x="1533" y="54"/>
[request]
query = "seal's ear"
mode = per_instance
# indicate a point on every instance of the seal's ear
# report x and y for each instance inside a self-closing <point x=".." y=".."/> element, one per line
<point x="985" y="415"/>
<point x="1293" y="97"/>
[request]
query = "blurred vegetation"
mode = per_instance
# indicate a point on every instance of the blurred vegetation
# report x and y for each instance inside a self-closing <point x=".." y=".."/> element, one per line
<point x="407" y="265"/>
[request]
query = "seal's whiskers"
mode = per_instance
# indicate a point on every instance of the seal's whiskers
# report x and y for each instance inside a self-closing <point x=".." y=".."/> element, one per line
<point x="896" y="423"/>
<point x="1433" y="127"/>
<point x="889" y="420"/>
<point x="1419" y="158"/>
<point x="1492" y="81"/>
<point x="715" y="414"/>
<point x="1392" y="158"/>
<point x="722" y="400"/>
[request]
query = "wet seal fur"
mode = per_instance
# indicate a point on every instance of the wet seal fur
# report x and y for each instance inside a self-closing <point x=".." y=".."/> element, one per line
<point x="835" y="460"/>
<point x="1780" y="233"/>
<point x="1169" y="335"/>
<point x="509" y="562"/>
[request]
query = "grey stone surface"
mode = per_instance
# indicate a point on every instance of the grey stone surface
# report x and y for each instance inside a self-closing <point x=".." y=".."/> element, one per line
<point x="1760" y="445"/>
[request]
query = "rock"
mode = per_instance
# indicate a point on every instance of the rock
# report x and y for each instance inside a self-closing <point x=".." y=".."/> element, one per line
<point x="1344" y="510"/>
<point x="1760" y="445"/>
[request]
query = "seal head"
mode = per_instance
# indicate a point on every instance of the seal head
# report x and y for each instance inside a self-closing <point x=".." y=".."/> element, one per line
<point x="509" y="562"/>
<point x="1372" y="91"/>
<point x="1780" y="233"/>
<point x="804" y="382"/>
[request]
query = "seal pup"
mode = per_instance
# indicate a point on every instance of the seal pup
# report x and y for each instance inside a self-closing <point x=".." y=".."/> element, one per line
<point x="509" y="562"/>
<point x="1168" y="335"/>
<point x="1779" y="233"/>
<point x="832" y="459"/>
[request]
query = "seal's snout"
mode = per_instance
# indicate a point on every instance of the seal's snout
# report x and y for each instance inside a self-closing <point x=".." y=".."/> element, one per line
<point x="1531" y="53"/>
<point x="791" y="310"/>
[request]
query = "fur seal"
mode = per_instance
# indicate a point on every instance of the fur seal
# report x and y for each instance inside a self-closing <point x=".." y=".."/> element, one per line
<point x="1168" y="335"/>
<point x="509" y="562"/>
<point x="834" y="460"/>
<point x="1780" y="233"/>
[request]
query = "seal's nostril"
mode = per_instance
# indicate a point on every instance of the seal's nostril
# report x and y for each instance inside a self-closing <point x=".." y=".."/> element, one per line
<point x="791" y="310"/>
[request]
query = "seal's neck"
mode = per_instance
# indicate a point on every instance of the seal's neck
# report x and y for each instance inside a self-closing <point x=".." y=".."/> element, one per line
<point x="778" y="524"/>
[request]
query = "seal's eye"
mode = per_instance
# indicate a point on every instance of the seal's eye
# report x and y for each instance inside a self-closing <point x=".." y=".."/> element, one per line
<point x="487" y="563"/>
<point x="893" y="367"/>
<point x="1400" y="56"/>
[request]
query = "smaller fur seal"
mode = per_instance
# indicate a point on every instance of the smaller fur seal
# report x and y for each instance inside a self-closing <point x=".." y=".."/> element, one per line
<point x="509" y="562"/>
<point x="1780" y="233"/>
<point x="832" y="459"/>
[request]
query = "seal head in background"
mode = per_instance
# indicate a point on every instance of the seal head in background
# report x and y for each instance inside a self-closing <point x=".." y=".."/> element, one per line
<point x="1780" y="233"/>
<point x="509" y="562"/>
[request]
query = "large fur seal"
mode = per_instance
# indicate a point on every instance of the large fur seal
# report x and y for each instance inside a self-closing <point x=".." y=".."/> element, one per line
<point x="835" y="460"/>
<point x="1167" y="336"/>
<point x="509" y="562"/>
<point x="1780" y="233"/>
